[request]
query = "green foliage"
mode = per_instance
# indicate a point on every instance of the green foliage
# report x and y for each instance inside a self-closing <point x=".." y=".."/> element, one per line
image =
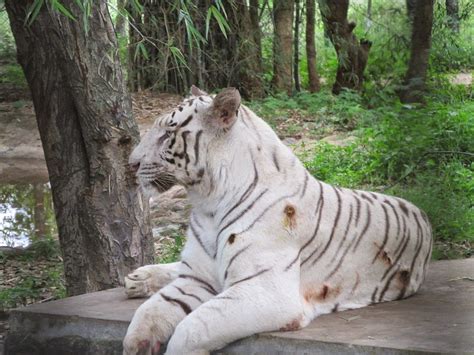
<point x="12" y="74"/>
<point x="450" y="50"/>
<point x="171" y="249"/>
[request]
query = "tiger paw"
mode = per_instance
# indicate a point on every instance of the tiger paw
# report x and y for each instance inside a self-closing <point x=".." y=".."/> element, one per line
<point x="147" y="280"/>
<point x="138" y="345"/>
<point x="139" y="284"/>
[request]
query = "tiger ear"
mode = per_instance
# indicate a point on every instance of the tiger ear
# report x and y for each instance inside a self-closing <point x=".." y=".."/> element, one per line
<point x="195" y="91"/>
<point x="224" y="107"/>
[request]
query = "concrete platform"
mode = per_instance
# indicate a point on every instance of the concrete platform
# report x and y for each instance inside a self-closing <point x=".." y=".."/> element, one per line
<point x="439" y="319"/>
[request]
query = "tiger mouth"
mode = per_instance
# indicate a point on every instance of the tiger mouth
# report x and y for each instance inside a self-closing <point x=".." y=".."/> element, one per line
<point x="160" y="183"/>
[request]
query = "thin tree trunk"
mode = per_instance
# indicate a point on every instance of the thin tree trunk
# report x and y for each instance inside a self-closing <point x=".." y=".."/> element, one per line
<point x="296" y="50"/>
<point x="282" y="45"/>
<point x="39" y="214"/>
<point x="313" y="76"/>
<point x="121" y="21"/>
<point x="257" y="32"/>
<point x="87" y="130"/>
<point x="414" y="85"/>
<point x="452" y="11"/>
<point x="368" y="22"/>
<point x="352" y="55"/>
<point x="410" y="5"/>
<point x="250" y="80"/>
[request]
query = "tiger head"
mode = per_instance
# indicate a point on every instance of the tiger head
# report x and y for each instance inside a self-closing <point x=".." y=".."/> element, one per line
<point x="174" y="149"/>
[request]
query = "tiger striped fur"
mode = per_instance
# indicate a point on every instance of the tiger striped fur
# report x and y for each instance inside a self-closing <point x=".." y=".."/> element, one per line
<point x="269" y="247"/>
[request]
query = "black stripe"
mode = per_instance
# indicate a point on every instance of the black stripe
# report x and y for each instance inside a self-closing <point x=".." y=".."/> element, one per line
<point x="250" y="277"/>
<point x="275" y="161"/>
<point x="366" y="227"/>
<point x="198" y="237"/>
<point x="185" y="151"/>
<point x="365" y="197"/>
<point x="346" y="231"/>
<point x="305" y="184"/>
<point x="319" y="209"/>
<point x="196" y="146"/>
<point x="184" y="306"/>
<point x="186" y="121"/>
<point x="374" y="294"/>
<point x="395" y="262"/>
<point x="233" y="258"/>
<point x="188" y="294"/>
<point x="419" y="238"/>
<point x="236" y="218"/>
<point x="207" y="285"/>
<point x="267" y="209"/>
<point x="245" y="195"/>
<point x="396" y="216"/>
<point x="357" y="209"/>
<point x="385" y="239"/>
<point x="333" y="231"/>
<point x="185" y="263"/>
<point x="404" y="232"/>
<point x="387" y="284"/>
<point x="403" y="207"/>
<point x="341" y="259"/>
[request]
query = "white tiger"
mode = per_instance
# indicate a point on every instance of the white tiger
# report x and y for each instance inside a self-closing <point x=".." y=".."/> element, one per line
<point x="269" y="247"/>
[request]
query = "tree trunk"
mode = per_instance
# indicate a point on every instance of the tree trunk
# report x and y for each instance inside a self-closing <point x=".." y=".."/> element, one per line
<point x="313" y="76"/>
<point x="121" y="21"/>
<point x="250" y="81"/>
<point x="410" y="5"/>
<point x="282" y="45"/>
<point x="415" y="79"/>
<point x="84" y="117"/>
<point x="368" y="21"/>
<point x="255" y="29"/>
<point x="296" y="51"/>
<point x="39" y="214"/>
<point x="352" y="56"/>
<point x="452" y="11"/>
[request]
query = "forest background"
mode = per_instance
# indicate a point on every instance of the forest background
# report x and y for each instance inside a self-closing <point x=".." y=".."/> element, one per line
<point x="371" y="94"/>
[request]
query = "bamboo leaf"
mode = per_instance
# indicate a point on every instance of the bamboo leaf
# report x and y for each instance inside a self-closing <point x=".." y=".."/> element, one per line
<point x="223" y="25"/>
<point x="208" y="20"/>
<point x="56" y="5"/>
<point x="141" y="49"/>
<point x="33" y="11"/>
<point x="178" y="56"/>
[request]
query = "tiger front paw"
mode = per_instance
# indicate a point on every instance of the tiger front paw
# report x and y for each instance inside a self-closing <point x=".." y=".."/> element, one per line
<point x="139" y="284"/>
<point x="140" y="344"/>
<point x="147" y="280"/>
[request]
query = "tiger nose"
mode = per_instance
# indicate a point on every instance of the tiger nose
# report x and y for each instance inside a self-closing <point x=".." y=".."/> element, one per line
<point x="134" y="166"/>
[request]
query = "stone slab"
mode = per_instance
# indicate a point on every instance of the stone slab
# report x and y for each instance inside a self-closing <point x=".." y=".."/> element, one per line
<point x="438" y="319"/>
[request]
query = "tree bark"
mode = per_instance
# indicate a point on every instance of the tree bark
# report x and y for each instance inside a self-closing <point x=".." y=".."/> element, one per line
<point x="255" y="29"/>
<point x="452" y="11"/>
<point x="282" y="45"/>
<point x="121" y="21"/>
<point x="313" y="76"/>
<point x="296" y="51"/>
<point x="352" y="55"/>
<point x="414" y="84"/>
<point x="84" y="117"/>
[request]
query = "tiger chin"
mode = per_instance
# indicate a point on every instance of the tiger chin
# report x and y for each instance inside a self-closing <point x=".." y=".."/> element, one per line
<point x="268" y="246"/>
